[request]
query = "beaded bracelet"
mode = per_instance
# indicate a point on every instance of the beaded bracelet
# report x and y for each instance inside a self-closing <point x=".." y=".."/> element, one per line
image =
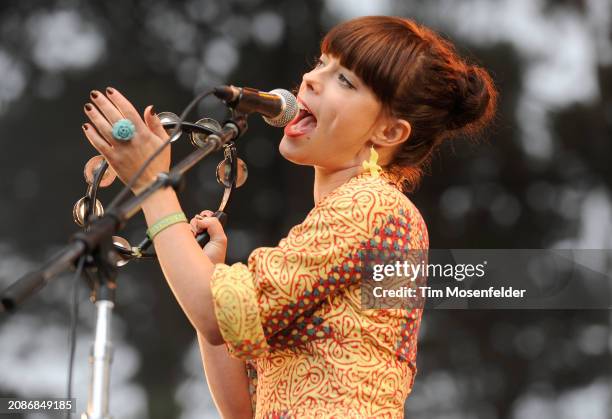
<point x="165" y="222"/>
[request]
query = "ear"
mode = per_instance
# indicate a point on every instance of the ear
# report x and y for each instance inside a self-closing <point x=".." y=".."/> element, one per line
<point x="392" y="133"/>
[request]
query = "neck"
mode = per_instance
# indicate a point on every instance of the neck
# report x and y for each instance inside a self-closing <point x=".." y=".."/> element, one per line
<point x="327" y="180"/>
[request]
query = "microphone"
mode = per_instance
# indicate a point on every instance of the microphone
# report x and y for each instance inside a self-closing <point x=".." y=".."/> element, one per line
<point x="277" y="107"/>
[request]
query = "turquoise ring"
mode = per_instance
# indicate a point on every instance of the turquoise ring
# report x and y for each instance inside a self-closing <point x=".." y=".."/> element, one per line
<point x="123" y="130"/>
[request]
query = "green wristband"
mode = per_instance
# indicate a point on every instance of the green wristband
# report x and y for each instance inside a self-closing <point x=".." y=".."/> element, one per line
<point x="166" y="222"/>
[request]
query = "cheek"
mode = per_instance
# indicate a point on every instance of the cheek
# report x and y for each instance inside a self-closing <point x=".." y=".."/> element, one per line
<point x="352" y="122"/>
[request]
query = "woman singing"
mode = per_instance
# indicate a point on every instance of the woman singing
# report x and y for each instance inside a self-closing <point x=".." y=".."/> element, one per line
<point x="284" y="335"/>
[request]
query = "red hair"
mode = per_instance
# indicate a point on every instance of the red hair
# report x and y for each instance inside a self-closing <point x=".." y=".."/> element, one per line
<point x="418" y="76"/>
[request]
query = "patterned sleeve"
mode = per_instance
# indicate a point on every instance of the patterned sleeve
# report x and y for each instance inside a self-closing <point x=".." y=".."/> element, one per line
<point x="270" y="302"/>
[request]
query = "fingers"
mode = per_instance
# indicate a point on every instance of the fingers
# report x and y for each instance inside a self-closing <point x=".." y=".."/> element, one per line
<point x="106" y="110"/>
<point x="194" y="226"/>
<point x="154" y="123"/>
<point x="96" y="140"/>
<point x="125" y="107"/>
<point x="213" y="227"/>
<point x="99" y="122"/>
<point x="106" y="107"/>
<point x="197" y="222"/>
<point x="198" y="217"/>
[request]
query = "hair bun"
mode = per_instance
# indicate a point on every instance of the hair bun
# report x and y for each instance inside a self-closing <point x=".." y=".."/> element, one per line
<point x="473" y="100"/>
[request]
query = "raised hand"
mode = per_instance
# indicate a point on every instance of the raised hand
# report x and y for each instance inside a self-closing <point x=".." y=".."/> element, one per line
<point x="126" y="157"/>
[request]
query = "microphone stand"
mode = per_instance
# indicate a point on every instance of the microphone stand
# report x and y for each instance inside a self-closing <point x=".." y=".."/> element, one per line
<point x="101" y="257"/>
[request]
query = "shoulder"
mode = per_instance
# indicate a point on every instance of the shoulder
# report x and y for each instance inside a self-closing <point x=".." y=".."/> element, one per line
<point x="398" y="217"/>
<point x="367" y="204"/>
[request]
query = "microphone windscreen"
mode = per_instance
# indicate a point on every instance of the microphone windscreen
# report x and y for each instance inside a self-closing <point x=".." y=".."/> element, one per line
<point x="290" y="109"/>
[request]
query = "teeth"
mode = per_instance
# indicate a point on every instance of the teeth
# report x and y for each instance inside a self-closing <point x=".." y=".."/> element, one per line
<point x="301" y="106"/>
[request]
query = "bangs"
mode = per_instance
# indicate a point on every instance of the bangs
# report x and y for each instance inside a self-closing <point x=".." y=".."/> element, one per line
<point x="379" y="51"/>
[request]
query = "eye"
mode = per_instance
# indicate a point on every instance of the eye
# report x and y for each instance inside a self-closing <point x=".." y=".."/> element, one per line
<point x="319" y="63"/>
<point x="345" y="81"/>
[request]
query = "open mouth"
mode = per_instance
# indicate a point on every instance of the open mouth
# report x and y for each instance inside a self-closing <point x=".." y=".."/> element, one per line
<point x="304" y="122"/>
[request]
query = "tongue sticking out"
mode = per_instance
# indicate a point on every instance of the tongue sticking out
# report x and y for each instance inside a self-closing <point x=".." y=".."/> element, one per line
<point x="303" y="124"/>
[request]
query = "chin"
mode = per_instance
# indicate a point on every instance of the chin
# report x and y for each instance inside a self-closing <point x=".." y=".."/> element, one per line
<point x="292" y="151"/>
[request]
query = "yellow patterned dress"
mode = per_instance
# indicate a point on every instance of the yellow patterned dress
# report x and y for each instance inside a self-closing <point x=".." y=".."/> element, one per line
<point x="294" y="311"/>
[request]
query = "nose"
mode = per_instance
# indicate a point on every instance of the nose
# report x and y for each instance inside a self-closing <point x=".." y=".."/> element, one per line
<point x="311" y="81"/>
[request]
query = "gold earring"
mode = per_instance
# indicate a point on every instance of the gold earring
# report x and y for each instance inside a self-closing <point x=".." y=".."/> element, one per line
<point x="372" y="163"/>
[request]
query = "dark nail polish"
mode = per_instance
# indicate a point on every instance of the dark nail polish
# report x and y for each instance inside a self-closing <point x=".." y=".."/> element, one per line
<point x="110" y="90"/>
<point x="85" y="127"/>
<point x="93" y="94"/>
<point x="88" y="107"/>
<point x="152" y="110"/>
